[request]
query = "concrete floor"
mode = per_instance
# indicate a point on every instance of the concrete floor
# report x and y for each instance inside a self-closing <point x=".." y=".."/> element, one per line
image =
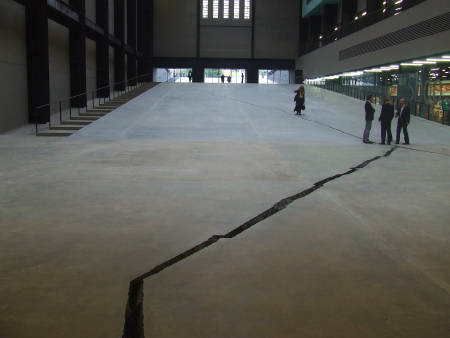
<point x="366" y="255"/>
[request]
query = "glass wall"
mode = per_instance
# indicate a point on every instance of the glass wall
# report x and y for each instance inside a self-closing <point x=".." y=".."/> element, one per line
<point x="177" y="75"/>
<point x="424" y="83"/>
<point x="213" y="75"/>
<point x="272" y="76"/>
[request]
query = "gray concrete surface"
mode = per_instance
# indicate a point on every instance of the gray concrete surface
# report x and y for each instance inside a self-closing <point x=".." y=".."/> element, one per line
<point x="366" y="255"/>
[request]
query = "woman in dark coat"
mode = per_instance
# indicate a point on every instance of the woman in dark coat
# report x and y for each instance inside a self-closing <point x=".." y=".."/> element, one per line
<point x="299" y="100"/>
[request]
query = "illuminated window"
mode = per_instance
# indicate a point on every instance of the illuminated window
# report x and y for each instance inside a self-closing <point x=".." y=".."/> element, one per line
<point x="236" y="9"/>
<point x="205" y="9"/>
<point x="216" y="9"/>
<point x="247" y="9"/>
<point x="226" y="9"/>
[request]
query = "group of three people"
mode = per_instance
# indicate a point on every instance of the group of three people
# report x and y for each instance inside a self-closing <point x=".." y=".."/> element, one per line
<point x="386" y="117"/>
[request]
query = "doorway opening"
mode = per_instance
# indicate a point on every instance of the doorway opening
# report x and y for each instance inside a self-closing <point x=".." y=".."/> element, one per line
<point x="273" y="76"/>
<point x="177" y="75"/>
<point x="215" y="75"/>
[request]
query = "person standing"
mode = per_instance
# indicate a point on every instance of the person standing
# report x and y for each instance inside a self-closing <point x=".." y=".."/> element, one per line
<point x="386" y="116"/>
<point x="369" y="118"/>
<point x="403" y="114"/>
<point x="242" y="77"/>
<point x="222" y="77"/>
<point x="299" y="100"/>
<point x="190" y="76"/>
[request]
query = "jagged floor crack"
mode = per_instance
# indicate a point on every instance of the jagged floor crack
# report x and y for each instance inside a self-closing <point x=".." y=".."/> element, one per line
<point x="134" y="323"/>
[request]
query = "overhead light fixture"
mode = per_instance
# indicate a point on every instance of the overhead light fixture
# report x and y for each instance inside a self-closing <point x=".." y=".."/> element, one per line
<point x="397" y="13"/>
<point x="398" y="2"/>
<point x="438" y="60"/>
<point x="446" y="56"/>
<point x="425" y="62"/>
<point x="356" y="18"/>
<point x="336" y="28"/>
<point x="411" y="64"/>
<point x="384" y="10"/>
<point x="364" y="13"/>
<point x="320" y="37"/>
<point x="398" y="9"/>
<point x="384" y="3"/>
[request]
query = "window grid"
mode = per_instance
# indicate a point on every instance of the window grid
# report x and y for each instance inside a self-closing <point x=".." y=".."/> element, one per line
<point x="205" y="9"/>
<point x="215" y="9"/>
<point x="247" y="9"/>
<point x="236" y="9"/>
<point x="226" y="9"/>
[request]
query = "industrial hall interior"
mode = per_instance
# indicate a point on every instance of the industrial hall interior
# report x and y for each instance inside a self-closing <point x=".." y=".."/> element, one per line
<point x="224" y="168"/>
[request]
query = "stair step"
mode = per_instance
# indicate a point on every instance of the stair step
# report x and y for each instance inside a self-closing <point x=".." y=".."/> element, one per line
<point x="93" y="114"/>
<point x="98" y="110"/>
<point x="84" y="118"/>
<point x="83" y="123"/>
<point x="59" y="133"/>
<point x="66" y="127"/>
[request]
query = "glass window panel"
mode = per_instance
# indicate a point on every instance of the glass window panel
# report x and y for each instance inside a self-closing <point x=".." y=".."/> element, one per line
<point x="236" y="9"/>
<point x="226" y="9"/>
<point x="205" y="9"/>
<point x="216" y="9"/>
<point x="247" y="9"/>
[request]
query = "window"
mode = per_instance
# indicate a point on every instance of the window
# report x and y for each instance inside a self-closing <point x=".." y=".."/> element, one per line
<point x="236" y="9"/>
<point x="205" y="9"/>
<point x="215" y="9"/>
<point x="247" y="9"/>
<point x="226" y="9"/>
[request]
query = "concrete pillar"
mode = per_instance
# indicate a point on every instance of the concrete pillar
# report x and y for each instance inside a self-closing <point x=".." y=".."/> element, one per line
<point x="252" y="74"/>
<point x="131" y="40"/>
<point x="145" y="39"/>
<point x="119" y="51"/>
<point x="77" y="45"/>
<point x="38" y="61"/>
<point x="102" y="18"/>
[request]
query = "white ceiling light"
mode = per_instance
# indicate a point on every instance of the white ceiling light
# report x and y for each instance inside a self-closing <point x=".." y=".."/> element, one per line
<point x="438" y="60"/>
<point x="411" y="64"/>
<point x="425" y="62"/>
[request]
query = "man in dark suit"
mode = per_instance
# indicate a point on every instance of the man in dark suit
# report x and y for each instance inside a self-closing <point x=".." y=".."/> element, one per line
<point x="369" y="118"/>
<point x="403" y="115"/>
<point x="386" y="116"/>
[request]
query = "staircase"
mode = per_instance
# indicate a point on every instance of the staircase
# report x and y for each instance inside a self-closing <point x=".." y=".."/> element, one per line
<point x="76" y="122"/>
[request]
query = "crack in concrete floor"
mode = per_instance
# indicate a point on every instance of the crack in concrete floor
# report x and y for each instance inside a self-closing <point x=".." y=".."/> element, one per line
<point x="134" y="316"/>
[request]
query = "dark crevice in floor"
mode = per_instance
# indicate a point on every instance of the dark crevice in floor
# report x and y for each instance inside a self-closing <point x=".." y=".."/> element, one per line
<point x="134" y="317"/>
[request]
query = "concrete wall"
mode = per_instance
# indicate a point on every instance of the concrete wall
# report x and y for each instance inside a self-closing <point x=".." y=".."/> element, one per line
<point x="276" y="29"/>
<point x="90" y="10"/>
<point x="325" y="60"/>
<point x="13" y="66"/>
<point x="91" y="66"/>
<point x="175" y="28"/>
<point x="59" y="63"/>
<point x="225" y="42"/>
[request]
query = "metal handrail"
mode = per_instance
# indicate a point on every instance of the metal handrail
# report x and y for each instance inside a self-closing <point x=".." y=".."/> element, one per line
<point x="95" y="93"/>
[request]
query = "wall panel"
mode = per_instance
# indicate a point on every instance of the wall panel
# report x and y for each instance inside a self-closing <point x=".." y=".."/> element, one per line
<point x="13" y="66"/>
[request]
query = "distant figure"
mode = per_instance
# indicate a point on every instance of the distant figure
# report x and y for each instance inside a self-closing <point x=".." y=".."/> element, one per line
<point x="299" y="100"/>
<point x="229" y="78"/>
<point x="222" y="77"/>
<point x="190" y="76"/>
<point x="386" y="116"/>
<point x="242" y="77"/>
<point x="403" y="115"/>
<point x="369" y="118"/>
